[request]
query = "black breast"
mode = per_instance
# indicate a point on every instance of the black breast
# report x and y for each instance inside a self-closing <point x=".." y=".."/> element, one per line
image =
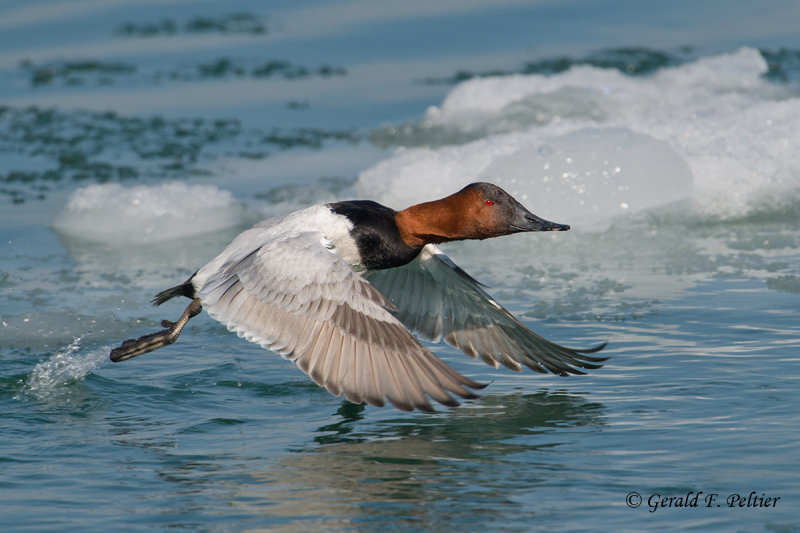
<point x="376" y="234"/>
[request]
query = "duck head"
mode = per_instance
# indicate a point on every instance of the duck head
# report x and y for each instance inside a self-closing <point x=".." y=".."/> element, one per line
<point x="478" y="211"/>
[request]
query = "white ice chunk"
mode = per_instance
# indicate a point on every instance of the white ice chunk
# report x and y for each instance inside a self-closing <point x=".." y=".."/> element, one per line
<point x="146" y="214"/>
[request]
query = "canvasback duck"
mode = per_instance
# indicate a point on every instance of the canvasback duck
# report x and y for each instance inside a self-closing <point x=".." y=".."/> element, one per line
<point x="338" y="288"/>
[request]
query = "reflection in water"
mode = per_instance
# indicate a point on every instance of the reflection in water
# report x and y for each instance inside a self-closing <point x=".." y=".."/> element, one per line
<point x="429" y="471"/>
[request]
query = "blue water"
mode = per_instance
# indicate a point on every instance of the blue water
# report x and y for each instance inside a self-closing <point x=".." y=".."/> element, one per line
<point x="137" y="138"/>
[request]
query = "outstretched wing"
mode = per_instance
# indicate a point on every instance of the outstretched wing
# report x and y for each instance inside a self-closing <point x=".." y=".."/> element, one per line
<point x="437" y="299"/>
<point x="290" y="294"/>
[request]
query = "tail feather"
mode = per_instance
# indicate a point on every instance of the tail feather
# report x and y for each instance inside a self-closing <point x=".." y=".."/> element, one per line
<point x="184" y="289"/>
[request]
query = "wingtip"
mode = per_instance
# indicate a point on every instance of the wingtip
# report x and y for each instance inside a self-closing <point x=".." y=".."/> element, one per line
<point x="475" y="385"/>
<point x="578" y="358"/>
<point x="425" y="407"/>
<point x="592" y="363"/>
<point x="595" y="349"/>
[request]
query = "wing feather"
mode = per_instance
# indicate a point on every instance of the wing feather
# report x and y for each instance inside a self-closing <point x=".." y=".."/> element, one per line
<point x="438" y="300"/>
<point x="293" y="296"/>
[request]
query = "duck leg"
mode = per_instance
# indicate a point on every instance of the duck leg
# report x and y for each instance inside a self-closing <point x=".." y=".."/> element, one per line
<point x="148" y="343"/>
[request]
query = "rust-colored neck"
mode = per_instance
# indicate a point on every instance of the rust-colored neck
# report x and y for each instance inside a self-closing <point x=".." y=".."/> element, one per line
<point x="448" y="219"/>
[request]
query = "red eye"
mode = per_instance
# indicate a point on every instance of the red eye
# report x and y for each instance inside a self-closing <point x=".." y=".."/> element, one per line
<point x="489" y="202"/>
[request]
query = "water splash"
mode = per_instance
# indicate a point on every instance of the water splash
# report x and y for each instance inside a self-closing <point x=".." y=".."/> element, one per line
<point x="63" y="369"/>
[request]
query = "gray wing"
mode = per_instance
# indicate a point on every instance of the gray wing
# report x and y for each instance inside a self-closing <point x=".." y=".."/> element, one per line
<point x="293" y="296"/>
<point x="437" y="299"/>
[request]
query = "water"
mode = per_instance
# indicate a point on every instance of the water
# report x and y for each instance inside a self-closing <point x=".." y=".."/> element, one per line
<point x="138" y="138"/>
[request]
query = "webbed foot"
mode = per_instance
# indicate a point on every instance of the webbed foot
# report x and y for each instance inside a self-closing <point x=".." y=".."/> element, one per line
<point x="147" y="343"/>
